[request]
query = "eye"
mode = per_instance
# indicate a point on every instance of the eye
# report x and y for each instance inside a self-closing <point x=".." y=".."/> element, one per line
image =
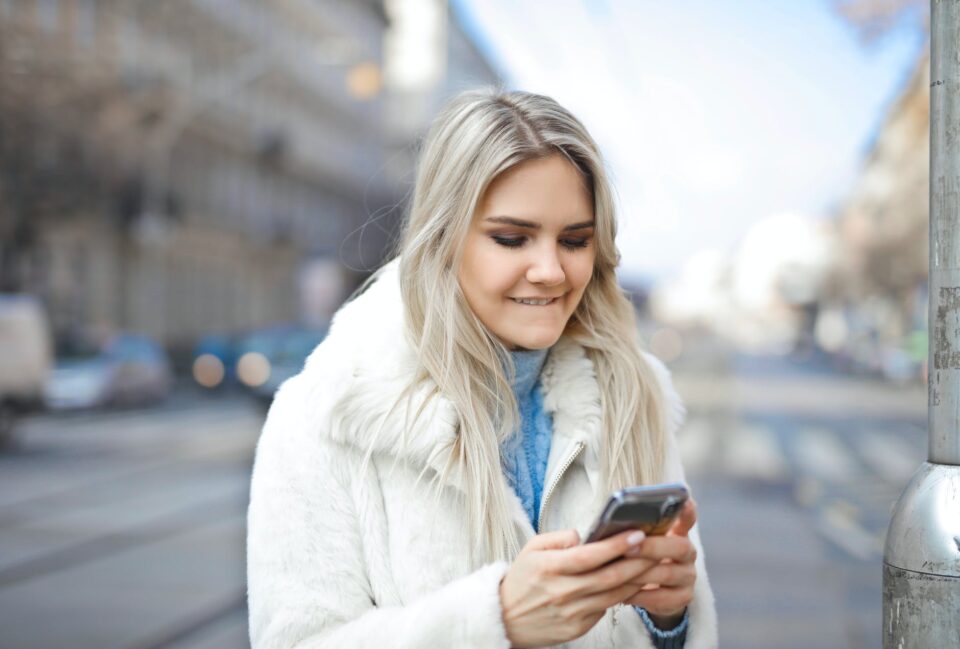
<point x="516" y="242"/>
<point x="510" y="242"/>
<point x="573" y="244"/>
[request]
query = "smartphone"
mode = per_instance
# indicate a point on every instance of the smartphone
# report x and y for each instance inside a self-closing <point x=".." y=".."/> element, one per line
<point x="651" y="508"/>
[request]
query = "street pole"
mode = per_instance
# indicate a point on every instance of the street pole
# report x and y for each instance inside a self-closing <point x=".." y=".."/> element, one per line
<point x="921" y="562"/>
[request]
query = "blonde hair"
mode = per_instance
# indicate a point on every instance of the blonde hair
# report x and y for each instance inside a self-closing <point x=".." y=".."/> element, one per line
<point x="477" y="136"/>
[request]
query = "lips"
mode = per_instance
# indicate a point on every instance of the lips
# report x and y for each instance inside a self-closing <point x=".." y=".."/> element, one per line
<point x="533" y="301"/>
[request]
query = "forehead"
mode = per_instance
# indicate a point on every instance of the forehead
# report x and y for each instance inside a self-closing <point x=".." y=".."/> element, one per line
<point x="546" y="190"/>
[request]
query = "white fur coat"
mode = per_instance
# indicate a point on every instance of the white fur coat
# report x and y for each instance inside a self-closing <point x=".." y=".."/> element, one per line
<point x="343" y="558"/>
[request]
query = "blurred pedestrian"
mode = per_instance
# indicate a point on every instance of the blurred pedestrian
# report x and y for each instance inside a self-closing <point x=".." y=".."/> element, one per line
<point x="425" y="481"/>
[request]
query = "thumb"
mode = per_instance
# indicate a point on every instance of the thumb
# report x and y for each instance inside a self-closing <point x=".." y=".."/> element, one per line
<point x="559" y="540"/>
<point x="686" y="520"/>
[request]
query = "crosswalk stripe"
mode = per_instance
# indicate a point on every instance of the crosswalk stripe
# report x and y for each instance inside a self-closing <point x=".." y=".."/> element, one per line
<point x="819" y="452"/>
<point x="824" y="465"/>
<point x="838" y="523"/>
<point x="890" y="456"/>
<point x="751" y="451"/>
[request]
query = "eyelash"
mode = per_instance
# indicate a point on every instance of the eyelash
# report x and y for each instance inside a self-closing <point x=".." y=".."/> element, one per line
<point x="569" y="244"/>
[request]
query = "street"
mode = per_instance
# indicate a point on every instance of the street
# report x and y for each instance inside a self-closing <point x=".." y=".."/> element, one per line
<point x="125" y="529"/>
<point x="795" y="471"/>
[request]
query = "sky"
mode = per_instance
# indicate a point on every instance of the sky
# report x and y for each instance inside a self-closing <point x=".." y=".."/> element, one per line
<point x="712" y="116"/>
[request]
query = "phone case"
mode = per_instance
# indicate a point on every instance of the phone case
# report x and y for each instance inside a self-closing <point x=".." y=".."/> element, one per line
<point x="651" y="509"/>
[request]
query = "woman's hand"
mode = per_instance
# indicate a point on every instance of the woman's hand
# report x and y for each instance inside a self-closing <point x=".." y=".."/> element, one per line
<point x="557" y="589"/>
<point x="667" y="587"/>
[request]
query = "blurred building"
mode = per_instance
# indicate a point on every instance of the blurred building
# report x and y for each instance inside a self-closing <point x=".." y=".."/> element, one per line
<point x="880" y="279"/>
<point x="173" y="167"/>
<point x="428" y="58"/>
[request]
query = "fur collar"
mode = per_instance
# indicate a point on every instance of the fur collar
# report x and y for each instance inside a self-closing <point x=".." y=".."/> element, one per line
<point x="366" y="361"/>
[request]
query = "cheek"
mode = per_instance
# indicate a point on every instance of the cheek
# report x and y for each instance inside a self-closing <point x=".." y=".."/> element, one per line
<point x="496" y="283"/>
<point x="498" y="273"/>
<point x="581" y="270"/>
<point x="484" y="276"/>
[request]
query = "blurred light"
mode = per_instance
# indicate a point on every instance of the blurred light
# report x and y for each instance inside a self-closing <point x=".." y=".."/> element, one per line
<point x="208" y="370"/>
<point x="253" y="368"/>
<point x="364" y="80"/>
<point x="666" y="344"/>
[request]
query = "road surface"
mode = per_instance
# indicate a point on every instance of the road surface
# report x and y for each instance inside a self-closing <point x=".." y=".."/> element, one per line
<point x="126" y="529"/>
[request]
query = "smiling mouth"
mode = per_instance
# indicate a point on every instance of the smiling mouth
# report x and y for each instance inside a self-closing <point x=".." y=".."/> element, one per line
<point x="534" y="301"/>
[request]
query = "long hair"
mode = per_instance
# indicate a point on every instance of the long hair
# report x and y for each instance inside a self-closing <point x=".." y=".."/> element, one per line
<point x="477" y="136"/>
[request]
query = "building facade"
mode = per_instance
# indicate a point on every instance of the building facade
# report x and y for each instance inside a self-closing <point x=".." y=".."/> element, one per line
<point x="174" y="166"/>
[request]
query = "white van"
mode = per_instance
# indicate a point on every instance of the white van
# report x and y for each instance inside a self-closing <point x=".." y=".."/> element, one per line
<point x="26" y="358"/>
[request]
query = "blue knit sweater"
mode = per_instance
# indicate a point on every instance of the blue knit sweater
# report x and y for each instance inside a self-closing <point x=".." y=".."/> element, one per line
<point x="524" y="458"/>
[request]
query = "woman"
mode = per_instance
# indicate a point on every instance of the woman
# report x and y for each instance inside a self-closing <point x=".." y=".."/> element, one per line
<point x="425" y="481"/>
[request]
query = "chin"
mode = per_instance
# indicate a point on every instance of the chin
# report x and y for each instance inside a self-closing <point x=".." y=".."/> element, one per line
<point x="538" y="341"/>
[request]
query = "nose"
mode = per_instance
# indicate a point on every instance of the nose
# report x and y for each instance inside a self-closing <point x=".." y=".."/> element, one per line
<point x="545" y="268"/>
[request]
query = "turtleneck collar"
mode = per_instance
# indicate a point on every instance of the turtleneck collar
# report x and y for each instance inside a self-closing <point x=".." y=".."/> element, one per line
<point x="528" y="364"/>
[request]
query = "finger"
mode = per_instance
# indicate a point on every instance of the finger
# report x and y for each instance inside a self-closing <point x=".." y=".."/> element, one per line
<point x="590" y="556"/>
<point x="676" y="548"/>
<point x="662" y="600"/>
<point x="613" y="575"/>
<point x="603" y="600"/>
<point x="686" y="520"/>
<point x="667" y="574"/>
<point x="554" y="540"/>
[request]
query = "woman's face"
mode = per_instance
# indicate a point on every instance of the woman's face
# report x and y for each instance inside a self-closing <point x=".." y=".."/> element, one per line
<point x="531" y="239"/>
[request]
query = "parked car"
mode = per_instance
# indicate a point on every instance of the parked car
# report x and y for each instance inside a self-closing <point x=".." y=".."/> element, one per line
<point x="268" y="357"/>
<point x="128" y="370"/>
<point x="26" y="358"/>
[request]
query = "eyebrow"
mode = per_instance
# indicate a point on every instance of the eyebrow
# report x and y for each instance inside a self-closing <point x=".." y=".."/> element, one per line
<point x="509" y="220"/>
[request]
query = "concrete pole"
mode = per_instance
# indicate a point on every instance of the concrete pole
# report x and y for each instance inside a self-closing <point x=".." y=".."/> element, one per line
<point x="921" y="571"/>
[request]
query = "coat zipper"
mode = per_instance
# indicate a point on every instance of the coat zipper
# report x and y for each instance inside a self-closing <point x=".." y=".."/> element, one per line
<point x="556" y="481"/>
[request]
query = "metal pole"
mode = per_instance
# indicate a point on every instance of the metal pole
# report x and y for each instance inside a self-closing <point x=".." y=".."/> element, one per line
<point x="921" y="571"/>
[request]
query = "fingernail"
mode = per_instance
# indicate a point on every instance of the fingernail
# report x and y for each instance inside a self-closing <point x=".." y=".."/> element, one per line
<point x="636" y="538"/>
